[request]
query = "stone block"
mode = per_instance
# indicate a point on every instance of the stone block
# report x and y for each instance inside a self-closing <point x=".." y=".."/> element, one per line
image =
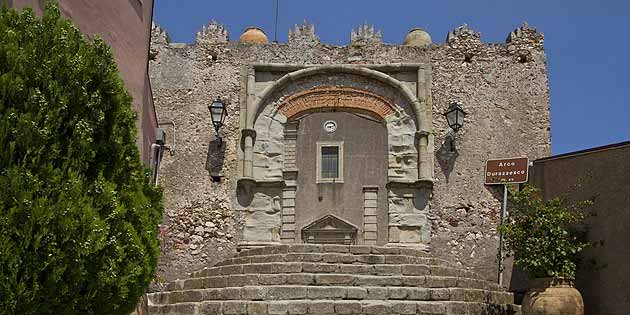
<point x="370" y="211"/>
<point x="418" y="294"/>
<point x="396" y="259"/>
<point x="360" y="249"/>
<point x="233" y="308"/>
<point x="347" y="307"/>
<point x="263" y="259"/>
<point x="321" y="307"/>
<point x="304" y="257"/>
<point x="242" y="280"/>
<point x="457" y="294"/>
<point x="253" y="308"/>
<point x="231" y="293"/>
<point x="273" y="250"/>
<point x="286" y="293"/>
<point x="288" y="221"/>
<point x="183" y="308"/>
<point x="439" y="294"/>
<point x="444" y="271"/>
<point x="377" y="308"/>
<point x="300" y="278"/>
<point x="371" y="259"/>
<point x="435" y="282"/>
<point x="388" y="270"/>
<point x="327" y="293"/>
<point x="370" y="236"/>
<point x="370" y="203"/>
<point x="215" y="282"/>
<point x="430" y="308"/>
<point x="338" y="258"/>
<point x="378" y="250"/>
<point x="254" y="293"/>
<point x="272" y="279"/>
<point x="336" y="248"/>
<point x="305" y="248"/>
<point x="277" y="308"/>
<point x="356" y="269"/>
<point x="293" y="267"/>
<point x="403" y="307"/>
<point x="356" y="293"/>
<point x="195" y="283"/>
<point x="398" y="293"/>
<point x="334" y="279"/>
<point x="376" y="293"/>
<point x="377" y="281"/>
<point x="230" y="270"/>
<point x="413" y="281"/>
<point x="369" y="219"/>
<point x="192" y="296"/>
<point x="298" y="307"/>
<point x="258" y="268"/>
<point x="370" y="227"/>
<point x="456" y="308"/>
<point x="474" y="295"/>
<point x="211" y="294"/>
<point x="319" y="268"/>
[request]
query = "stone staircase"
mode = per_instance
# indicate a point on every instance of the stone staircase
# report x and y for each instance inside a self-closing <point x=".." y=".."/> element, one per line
<point x="332" y="279"/>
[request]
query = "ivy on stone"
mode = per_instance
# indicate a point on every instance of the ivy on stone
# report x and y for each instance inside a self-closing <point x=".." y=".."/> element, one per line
<point x="545" y="236"/>
<point x="78" y="215"/>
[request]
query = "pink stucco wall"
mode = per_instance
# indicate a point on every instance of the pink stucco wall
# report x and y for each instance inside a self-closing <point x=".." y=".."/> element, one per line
<point x="126" y="26"/>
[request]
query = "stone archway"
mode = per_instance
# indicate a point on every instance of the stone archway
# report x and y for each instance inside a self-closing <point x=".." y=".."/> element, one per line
<point x="269" y="173"/>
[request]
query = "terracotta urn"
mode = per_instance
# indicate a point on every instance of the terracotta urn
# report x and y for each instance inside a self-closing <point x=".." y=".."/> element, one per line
<point x="551" y="296"/>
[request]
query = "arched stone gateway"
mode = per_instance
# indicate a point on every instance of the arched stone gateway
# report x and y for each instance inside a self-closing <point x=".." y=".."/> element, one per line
<point x="293" y="171"/>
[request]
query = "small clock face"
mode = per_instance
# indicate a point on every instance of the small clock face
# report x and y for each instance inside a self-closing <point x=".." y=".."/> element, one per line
<point x="330" y="126"/>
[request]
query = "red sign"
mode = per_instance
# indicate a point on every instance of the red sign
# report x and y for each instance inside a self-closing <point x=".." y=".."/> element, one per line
<point x="507" y="171"/>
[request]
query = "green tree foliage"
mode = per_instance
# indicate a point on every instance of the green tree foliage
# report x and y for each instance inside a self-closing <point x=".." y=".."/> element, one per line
<point x="78" y="216"/>
<point x="546" y="237"/>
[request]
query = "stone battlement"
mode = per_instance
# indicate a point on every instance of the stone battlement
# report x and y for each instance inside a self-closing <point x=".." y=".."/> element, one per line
<point x="364" y="34"/>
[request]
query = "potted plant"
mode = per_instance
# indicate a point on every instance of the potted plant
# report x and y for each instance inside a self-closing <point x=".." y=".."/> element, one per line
<point x="545" y="239"/>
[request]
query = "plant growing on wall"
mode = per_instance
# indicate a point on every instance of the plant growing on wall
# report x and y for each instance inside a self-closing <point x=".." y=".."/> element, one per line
<point x="544" y="236"/>
<point x="78" y="216"/>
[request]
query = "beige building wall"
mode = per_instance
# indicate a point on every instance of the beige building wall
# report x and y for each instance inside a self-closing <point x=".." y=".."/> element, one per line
<point x="603" y="174"/>
<point x="126" y="26"/>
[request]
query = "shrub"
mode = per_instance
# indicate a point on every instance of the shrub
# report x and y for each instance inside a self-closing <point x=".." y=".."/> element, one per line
<point x="78" y="216"/>
<point x="545" y="236"/>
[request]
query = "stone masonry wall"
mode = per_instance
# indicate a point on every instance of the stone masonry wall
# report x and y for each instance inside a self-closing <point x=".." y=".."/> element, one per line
<point x="503" y="88"/>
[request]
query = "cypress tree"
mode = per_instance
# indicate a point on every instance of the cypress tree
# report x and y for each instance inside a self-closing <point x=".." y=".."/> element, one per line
<point x="78" y="215"/>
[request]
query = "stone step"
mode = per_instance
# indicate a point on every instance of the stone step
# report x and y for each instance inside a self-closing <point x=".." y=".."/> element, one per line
<point x="347" y="307"/>
<point x="330" y="248"/>
<point x="344" y="258"/>
<point x="324" y="279"/>
<point x="299" y="292"/>
<point x="319" y="267"/>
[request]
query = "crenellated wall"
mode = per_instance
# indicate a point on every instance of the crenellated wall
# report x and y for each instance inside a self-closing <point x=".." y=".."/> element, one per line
<point x="503" y="88"/>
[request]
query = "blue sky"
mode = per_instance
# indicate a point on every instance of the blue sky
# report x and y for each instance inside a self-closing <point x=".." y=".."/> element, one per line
<point x="588" y="50"/>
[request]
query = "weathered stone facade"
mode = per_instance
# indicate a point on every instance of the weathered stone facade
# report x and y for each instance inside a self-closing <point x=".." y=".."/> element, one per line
<point x="435" y="197"/>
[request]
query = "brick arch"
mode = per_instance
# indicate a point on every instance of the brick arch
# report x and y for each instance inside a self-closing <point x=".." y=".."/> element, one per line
<point x="334" y="97"/>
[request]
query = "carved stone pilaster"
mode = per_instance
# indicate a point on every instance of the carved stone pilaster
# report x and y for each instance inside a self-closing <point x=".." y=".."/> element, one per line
<point x="290" y="138"/>
<point x="370" y="209"/>
<point x="287" y="234"/>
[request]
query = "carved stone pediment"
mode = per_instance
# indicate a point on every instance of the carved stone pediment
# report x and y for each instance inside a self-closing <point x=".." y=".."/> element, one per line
<point x="330" y="229"/>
